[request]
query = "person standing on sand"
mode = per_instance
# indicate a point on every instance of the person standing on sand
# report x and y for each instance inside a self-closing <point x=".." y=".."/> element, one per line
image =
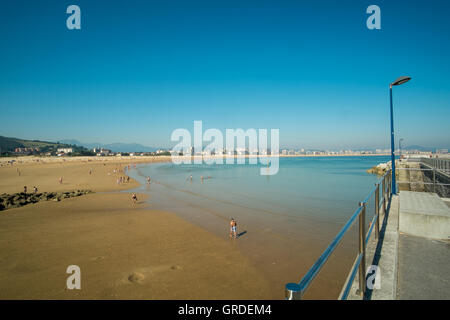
<point x="233" y="226"/>
<point x="148" y="180"/>
<point x="60" y="180"/>
<point x="25" y="189"/>
<point x="134" y="198"/>
<point x="35" y="190"/>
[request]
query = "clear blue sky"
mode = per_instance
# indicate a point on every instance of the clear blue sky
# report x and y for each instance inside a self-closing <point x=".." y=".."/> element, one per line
<point x="137" y="70"/>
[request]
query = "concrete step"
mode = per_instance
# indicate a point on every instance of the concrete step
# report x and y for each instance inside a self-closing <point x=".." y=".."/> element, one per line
<point x="424" y="214"/>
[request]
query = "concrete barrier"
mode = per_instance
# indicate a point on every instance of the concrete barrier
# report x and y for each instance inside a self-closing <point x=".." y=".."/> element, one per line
<point x="424" y="214"/>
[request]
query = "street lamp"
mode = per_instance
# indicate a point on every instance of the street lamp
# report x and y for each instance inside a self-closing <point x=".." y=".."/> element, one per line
<point x="397" y="82"/>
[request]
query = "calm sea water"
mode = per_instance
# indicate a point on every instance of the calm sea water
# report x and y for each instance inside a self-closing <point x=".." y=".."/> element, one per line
<point x="321" y="188"/>
<point x="285" y="220"/>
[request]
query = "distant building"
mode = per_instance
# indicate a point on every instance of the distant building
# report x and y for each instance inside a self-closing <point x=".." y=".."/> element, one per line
<point x="102" y="151"/>
<point x="65" y="150"/>
<point x="26" y="150"/>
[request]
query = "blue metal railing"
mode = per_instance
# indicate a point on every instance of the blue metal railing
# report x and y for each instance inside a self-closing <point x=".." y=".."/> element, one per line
<point x="295" y="291"/>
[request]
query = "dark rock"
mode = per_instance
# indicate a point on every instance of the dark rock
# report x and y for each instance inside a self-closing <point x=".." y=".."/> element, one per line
<point x="15" y="200"/>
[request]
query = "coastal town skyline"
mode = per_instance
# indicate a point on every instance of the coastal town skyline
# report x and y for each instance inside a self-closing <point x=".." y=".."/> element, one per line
<point x="17" y="147"/>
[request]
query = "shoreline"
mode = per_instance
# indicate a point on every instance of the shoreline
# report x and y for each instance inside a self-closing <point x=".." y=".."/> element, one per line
<point x="281" y="254"/>
<point x="150" y="159"/>
<point x="124" y="252"/>
<point x="292" y="260"/>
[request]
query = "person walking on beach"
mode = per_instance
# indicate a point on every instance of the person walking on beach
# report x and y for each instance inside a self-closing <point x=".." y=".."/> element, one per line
<point x="233" y="226"/>
<point x="35" y="190"/>
<point x="60" y="180"/>
<point x="148" y="180"/>
<point x="25" y="189"/>
<point x="134" y="198"/>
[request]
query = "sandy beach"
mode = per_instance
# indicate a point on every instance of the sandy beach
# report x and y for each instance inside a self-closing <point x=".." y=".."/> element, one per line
<point x="124" y="251"/>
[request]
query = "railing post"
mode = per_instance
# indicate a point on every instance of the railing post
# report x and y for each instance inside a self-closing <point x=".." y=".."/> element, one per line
<point x="362" y="249"/>
<point x="293" y="292"/>
<point x="383" y="193"/>
<point x="377" y="211"/>
<point x="389" y="185"/>
<point x="434" y="179"/>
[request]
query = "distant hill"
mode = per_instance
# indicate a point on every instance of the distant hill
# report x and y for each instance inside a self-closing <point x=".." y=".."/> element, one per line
<point x="114" y="147"/>
<point x="420" y="148"/>
<point x="9" y="144"/>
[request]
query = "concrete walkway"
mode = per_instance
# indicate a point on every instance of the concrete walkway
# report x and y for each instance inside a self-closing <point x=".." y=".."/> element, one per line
<point x="410" y="267"/>
<point x="423" y="268"/>
<point x="382" y="254"/>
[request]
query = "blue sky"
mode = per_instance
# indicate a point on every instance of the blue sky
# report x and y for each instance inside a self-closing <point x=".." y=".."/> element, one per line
<point x="137" y="70"/>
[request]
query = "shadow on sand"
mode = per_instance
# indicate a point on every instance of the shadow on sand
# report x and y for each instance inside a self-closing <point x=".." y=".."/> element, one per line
<point x="241" y="234"/>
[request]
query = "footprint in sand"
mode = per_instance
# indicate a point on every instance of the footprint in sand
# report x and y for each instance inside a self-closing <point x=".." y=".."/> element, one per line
<point x="141" y="274"/>
<point x="98" y="258"/>
<point x="136" y="277"/>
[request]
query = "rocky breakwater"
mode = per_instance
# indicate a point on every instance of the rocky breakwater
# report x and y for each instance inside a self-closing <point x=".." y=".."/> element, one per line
<point x="8" y="201"/>
<point x="380" y="169"/>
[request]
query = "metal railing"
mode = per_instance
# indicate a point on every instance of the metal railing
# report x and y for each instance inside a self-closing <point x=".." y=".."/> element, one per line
<point x="295" y="291"/>
<point x="442" y="165"/>
<point x="429" y="179"/>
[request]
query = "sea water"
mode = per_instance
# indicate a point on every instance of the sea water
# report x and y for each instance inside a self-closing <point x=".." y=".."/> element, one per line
<point x="285" y="221"/>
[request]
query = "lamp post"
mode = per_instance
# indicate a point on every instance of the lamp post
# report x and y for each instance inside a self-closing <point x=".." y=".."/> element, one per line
<point x="397" y="82"/>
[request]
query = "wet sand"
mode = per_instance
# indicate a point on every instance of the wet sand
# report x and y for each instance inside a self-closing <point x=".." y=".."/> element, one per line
<point x="281" y="246"/>
<point x="124" y="251"/>
<point x="150" y="251"/>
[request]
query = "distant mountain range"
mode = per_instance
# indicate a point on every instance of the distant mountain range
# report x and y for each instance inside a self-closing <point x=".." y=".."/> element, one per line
<point x="114" y="147"/>
<point x="420" y="148"/>
<point x="9" y="144"/>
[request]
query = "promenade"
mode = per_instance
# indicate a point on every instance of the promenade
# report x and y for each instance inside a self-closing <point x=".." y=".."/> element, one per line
<point x="413" y="253"/>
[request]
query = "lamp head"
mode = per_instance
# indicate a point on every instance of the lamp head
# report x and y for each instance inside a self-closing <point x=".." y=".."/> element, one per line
<point x="400" y="81"/>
